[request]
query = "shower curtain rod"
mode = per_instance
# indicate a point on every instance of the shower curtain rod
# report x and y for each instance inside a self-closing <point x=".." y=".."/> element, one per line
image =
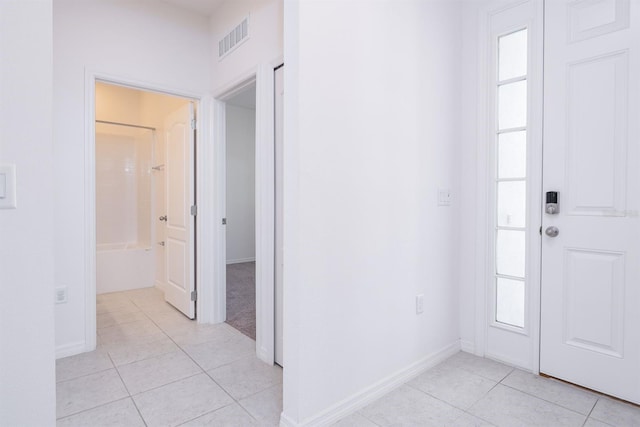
<point x="125" y="124"/>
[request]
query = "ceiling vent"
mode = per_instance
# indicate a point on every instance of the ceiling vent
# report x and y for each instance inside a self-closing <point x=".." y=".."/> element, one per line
<point x="233" y="38"/>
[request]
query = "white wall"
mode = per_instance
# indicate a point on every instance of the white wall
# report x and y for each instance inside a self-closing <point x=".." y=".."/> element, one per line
<point x="27" y="375"/>
<point x="264" y="43"/>
<point x="241" y="168"/>
<point x="371" y="133"/>
<point x="149" y="42"/>
<point x="470" y="219"/>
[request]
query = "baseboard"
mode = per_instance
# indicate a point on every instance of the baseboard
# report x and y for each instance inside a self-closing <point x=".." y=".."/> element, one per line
<point x="71" y="349"/>
<point x="285" y="421"/>
<point x="467" y="346"/>
<point x="522" y="364"/>
<point x="159" y="285"/>
<point x="370" y="394"/>
<point x="241" y="260"/>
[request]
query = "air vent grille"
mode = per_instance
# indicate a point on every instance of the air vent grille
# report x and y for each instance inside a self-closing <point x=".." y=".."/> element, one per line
<point x="233" y="38"/>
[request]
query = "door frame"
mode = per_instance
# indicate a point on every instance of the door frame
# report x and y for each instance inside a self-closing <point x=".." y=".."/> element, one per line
<point x="484" y="199"/>
<point x="262" y="76"/>
<point x="204" y="247"/>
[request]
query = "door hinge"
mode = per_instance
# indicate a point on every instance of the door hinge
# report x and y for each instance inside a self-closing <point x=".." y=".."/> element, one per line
<point x="194" y="295"/>
<point x="193" y="124"/>
<point x="194" y="210"/>
<point x="224" y="221"/>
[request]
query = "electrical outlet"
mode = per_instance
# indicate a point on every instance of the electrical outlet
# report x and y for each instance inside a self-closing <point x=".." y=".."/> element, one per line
<point x="419" y="304"/>
<point x="61" y="295"/>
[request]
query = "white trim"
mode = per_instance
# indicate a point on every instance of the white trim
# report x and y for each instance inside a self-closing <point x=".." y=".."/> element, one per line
<point x="240" y="260"/>
<point x="482" y="232"/>
<point x="219" y="198"/>
<point x="467" y="346"/>
<point x="90" y="328"/>
<point x="70" y="349"/>
<point x="203" y="273"/>
<point x="205" y="200"/>
<point x="536" y="111"/>
<point x="484" y="222"/>
<point x="375" y="391"/>
<point x="264" y="198"/>
<point x="265" y="215"/>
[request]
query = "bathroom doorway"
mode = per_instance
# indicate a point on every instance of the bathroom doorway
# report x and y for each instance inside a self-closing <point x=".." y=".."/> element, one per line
<point x="145" y="193"/>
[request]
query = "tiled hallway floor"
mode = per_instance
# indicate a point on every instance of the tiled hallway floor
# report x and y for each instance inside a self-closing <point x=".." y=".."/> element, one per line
<point x="466" y="390"/>
<point x="154" y="367"/>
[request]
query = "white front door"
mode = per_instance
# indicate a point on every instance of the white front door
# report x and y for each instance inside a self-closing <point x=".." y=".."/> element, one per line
<point x="590" y="328"/>
<point x="179" y="252"/>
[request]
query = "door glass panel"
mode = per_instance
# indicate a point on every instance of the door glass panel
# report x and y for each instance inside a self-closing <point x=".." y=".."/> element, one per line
<point x="512" y="203"/>
<point x="512" y="155"/>
<point x="512" y="105"/>
<point x="510" y="301"/>
<point x="510" y="253"/>
<point x="510" y="178"/>
<point x="512" y="55"/>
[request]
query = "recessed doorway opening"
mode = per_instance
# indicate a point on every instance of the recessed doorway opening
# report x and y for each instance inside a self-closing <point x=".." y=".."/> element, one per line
<point x="241" y="211"/>
<point x="144" y="196"/>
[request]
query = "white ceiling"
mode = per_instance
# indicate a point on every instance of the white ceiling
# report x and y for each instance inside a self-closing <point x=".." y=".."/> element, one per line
<point x="205" y="7"/>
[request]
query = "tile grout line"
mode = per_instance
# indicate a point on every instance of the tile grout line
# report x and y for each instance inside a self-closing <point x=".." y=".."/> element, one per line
<point x="544" y="400"/>
<point x="206" y="413"/>
<point x="590" y="412"/>
<point x="466" y="411"/>
<point x="197" y="364"/>
<point x="82" y="376"/>
<point x="128" y="392"/>
<point x="237" y="402"/>
<point x="141" y="315"/>
<point x="91" y="409"/>
<point x="244" y="398"/>
<point x="125" y="385"/>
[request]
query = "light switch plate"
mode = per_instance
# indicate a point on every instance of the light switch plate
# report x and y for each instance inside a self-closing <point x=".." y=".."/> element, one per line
<point x="444" y="197"/>
<point x="7" y="186"/>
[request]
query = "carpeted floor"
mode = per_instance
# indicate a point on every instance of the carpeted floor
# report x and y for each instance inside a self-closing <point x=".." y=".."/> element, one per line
<point x="241" y="297"/>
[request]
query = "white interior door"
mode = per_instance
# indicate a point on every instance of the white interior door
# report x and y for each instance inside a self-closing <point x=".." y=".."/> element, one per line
<point x="179" y="243"/>
<point x="279" y="113"/>
<point x="590" y="329"/>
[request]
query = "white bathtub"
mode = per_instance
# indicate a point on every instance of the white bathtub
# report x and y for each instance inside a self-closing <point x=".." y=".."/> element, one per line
<point x="123" y="266"/>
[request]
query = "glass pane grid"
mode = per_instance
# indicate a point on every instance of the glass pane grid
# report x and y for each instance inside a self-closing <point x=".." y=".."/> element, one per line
<point x="505" y="276"/>
<point x="511" y="179"/>
<point x="510" y="130"/>
<point x="512" y="54"/>
<point x="512" y="105"/>
<point x="522" y="179"/>
<point x="509" y="295"/>
<point x="513" y="80"/>
<point x="504" y="227"/>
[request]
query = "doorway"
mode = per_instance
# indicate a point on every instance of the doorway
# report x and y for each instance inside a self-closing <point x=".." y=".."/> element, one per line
<point x="144" y="192"/>
<point x="265" y="204"/>
<point x="590" y="333"/>
<point x="562" y="286"/>
<point x="241" y="211"/>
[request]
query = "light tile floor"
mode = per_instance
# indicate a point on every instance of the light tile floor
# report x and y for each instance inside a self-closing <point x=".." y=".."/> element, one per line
<point x="154" y="367"/>
<point x="466" y="390"/>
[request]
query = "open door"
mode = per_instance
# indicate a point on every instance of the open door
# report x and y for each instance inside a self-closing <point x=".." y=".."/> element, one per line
<point x="180" y="221"/>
